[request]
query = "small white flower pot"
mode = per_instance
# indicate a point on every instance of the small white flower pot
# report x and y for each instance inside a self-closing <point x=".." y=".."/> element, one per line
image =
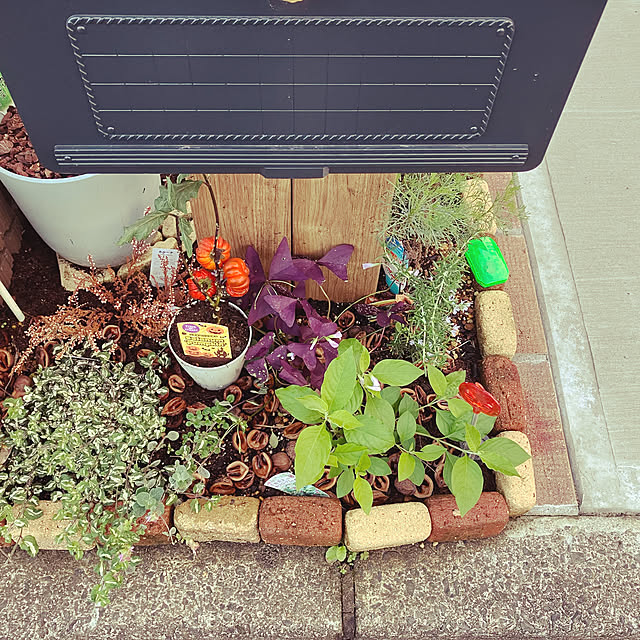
<point x="84" y="215"/>
<point x="214" y="378"/>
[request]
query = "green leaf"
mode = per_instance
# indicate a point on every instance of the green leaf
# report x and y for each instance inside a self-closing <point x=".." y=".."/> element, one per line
<point x="349" y="453"/>
<point x="363" y="464"/>
<point x="473" y="437"/>
<point x="459" y="408"/>
<point x="185" y="228"/>
<point x="345" y="483"/>
<point x="180" y="194"/>
<point x="143" y="228"/>
<point x="343" y="419"/>
<point x="509" y="449"/>
<point x="337" y="553"/>
<point x="339" y="379"/>
<point x="379" y="467"/>
<point x="372" y="434"/>
<point x="409" y="404"/>
<point x="392" y="396"/>
<point x="355" y="401"/>
<point x="312" y="452"/>
<point x="378" y="408"/>
<point x="173" y="436"/>
<point x="363" y="494"/>
<point x="449" y="426"/>
<point x="29" y="544"/>
<point x="498" y="463"/>
<point x="398" y="373"/>
<point x="406" y="465"/>
<point x="290" y="399"/>
<point x="454" y="380"/>
<point x="485" y="423"/>
<point x="417" y="476"/>
<point x="360" y="352"/>
<point x="449" y="462"/>
<point x="406" y="426"/>
<point x="430" y="452"/>
<point x="314" y="402"/>
<point x="437" y="380"/>
<point x="466" y="483"/>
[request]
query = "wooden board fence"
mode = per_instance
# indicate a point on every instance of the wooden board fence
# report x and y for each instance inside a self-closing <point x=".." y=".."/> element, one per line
<point x="314" y="214"/>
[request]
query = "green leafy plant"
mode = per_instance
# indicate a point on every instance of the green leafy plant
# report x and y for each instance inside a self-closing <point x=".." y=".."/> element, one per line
<point x="353" y="422"/>
<point x="345" y="558"/>
<point x="171" y="201"/>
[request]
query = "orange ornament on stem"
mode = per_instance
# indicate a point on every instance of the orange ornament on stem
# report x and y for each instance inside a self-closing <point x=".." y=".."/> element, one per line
<point x="207" y="252"/>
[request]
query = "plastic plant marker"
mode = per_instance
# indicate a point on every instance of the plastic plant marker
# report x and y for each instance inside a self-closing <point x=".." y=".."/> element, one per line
<point x="487" y="263"/>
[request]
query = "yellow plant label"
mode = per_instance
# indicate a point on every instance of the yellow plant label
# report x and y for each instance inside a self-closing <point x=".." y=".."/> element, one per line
<point x="204" y="340"/>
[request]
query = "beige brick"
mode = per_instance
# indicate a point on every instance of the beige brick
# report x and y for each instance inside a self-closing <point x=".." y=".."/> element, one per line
<point x="476" y="193"/>
<point x="45" y="529"/>
<point x="495" y="324"/>
<point x="232" y="519"/>
<point x="389" y="525"/>
<point x="519" y="493"/>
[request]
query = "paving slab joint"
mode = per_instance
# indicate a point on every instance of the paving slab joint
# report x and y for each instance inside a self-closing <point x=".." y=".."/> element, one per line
<point x="348" y="587"/>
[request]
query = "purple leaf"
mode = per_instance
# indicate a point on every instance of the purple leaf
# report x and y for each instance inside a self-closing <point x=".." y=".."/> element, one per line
<point x="383" y="319"/>
<point x="260" y="307"/>
<point x="292" y="375"/>
<point x="257" y="369"/>
<point x="304" y="269"/>
<point x="336" y="260"/>
<point x="316" y="376"/>
<point x="396" y="317"/>
<point x="256" y="272"/>
<point x="300" y="290"/>
<point x="320" y="326"/>
<point x="260" y="348"/>
<point x="284" y="307"/>
<point x="304" y="351"/>
<point x="278" y="356"/>
<point x="282" y="262"/>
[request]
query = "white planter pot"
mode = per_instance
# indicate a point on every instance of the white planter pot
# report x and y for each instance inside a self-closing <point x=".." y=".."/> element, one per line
<point x="214" y="378"/>
<point x="84" y="215"/>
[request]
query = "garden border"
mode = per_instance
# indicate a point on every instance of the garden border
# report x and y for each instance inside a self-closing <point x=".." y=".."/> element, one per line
<point x="304" y="521"/>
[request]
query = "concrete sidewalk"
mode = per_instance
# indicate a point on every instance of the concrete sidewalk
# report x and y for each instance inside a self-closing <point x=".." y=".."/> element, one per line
<point x="569" y="578"/>
<point x="584" y="237"/>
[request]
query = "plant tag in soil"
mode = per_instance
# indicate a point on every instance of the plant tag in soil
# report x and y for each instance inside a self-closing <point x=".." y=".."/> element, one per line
<point x="204" y="340"/>
<point x="164" y="266"/>
<point x="286" y="482"/>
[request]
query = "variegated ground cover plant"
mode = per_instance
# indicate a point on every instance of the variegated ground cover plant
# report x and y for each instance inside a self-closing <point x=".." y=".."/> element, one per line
<point x="89" y="435"/>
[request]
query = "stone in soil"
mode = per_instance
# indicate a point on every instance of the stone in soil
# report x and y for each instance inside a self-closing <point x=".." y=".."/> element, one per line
<point x="301" y="521"/>
<point x="389" y="525"/>
<point x="501" y="379"/>
<point x="495" y="324"/>
<point x="486" y="519"/>
<point x="232" y="519"/>
<point x="519" y="493"/>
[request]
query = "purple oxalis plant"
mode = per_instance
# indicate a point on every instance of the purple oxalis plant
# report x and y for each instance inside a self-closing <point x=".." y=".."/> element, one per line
<point x="299" y="343"/>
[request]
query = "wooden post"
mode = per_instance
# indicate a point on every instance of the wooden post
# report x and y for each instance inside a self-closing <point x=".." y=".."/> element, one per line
<point x="315" y="214"/>
<point x="342" y="208"/>
<point x="253" y="210"/>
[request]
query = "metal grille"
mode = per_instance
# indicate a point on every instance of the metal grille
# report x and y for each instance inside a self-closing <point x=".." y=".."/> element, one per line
<point x="294" y="80"/>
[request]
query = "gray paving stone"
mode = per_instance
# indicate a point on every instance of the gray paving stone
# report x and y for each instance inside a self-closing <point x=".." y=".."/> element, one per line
<point x="235" y="592"/>
<point x="551" y="578"/>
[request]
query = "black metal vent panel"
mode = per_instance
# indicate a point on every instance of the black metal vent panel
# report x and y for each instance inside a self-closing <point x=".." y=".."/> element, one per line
<point x="290" y="80"/>
<point x="293" y="89"/>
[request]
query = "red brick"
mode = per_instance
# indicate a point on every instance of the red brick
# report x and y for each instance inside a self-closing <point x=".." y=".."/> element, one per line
<point x="487" y="518"/>
<point x="554" y="482"/>
<point x="6" y="269"/>
<point x="501" y="379"/>
<point x="13" y="238"/>
<point x="301" y="521"/>
<point x="521" y="290"/>
<point x="156" y="530"/>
